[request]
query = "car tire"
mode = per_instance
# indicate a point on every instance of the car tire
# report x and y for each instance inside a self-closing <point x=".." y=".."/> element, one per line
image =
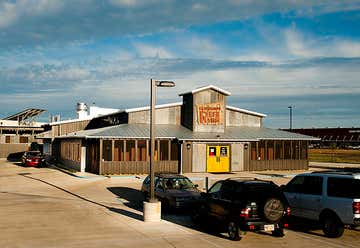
<point x="273" y="210"/>
<point x="233" y="230"/>
<point x="279" y="232"/>
<point x="332" y="226"/>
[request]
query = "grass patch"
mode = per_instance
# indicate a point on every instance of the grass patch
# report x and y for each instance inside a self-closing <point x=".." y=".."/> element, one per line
<point x="334" y="155"/>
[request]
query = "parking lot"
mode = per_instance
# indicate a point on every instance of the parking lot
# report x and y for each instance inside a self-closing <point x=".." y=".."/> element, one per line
<point x="45" y="207"/>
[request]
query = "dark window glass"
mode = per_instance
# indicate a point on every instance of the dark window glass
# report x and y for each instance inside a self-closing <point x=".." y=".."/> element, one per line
<point x="227" y="191"/>
<point x="287" y="150"/>
<point x="313" y="185"/>
<point x="295" y="185"/>
<point x="141" y="150"/>
<point x="270" y="150"/>
<point x="261" y="147"/>
<point x="119" y="150"/>
<point x="24" y="139"/>
<point x="214" y="191"/>
<point x="278" y="149"/>
<point x="253" y="151"/>
<point x="295" y="150"/>
<point x="343" y="187"/>
<point x="130" y="150"/>
<point x="174" y="151"/>
<point x="164" y="150"/>
<point x="159" y="183"/>
<point x="107" y="150"/>
<point x="304" y="150"/>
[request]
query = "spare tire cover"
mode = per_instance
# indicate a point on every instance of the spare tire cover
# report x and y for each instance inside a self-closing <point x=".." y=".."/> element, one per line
<point x="273" y="210"/>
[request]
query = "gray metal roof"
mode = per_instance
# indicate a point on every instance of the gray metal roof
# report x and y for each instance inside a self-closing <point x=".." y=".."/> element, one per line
<point x="142" y="131"/>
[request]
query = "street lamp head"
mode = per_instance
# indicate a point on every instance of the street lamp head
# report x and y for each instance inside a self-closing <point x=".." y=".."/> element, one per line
<point x="290" y="107"/>
<point x="165" y="84"/>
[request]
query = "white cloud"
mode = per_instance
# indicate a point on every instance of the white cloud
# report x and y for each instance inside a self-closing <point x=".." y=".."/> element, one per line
<point x="144" y="50"/>
<point x="12" y="11"/>
<point x="307" y="47"/>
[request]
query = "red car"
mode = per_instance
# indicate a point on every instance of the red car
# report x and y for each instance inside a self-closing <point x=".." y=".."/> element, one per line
<point x="32" y="159"/>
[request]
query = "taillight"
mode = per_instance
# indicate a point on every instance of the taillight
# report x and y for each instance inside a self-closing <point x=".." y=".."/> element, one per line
<point x="288" y="211"/>
<point x="356" y="207"/>
<point x="245" y="212"/>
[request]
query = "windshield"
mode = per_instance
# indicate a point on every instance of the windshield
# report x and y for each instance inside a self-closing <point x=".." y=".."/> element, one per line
<point x="178" y="183"/>
<point x="33" y="154"/>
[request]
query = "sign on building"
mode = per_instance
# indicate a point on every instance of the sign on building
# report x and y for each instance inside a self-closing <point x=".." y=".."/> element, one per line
<point x="209" y="114"/>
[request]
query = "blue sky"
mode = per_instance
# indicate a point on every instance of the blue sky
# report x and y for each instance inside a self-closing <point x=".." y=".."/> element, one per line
<point x="269" y="54"/>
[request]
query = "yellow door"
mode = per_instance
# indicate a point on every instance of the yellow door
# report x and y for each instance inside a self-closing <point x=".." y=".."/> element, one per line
<point x="212" y="158"/>
<point x="218" y="159"/>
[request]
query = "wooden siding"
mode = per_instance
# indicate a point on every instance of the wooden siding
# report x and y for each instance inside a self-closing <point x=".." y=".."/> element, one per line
<point x="93" y="156"/>
<point x="64" y="128"/>
<point x="237" y="157"/>
<point x="261" y="165"/>
<point x="238" y="119"/>
<point x="169" y="115"/>
<point x="186" y="157"/>
<point x="12" y="149"/>
<point x="199" y="157"/>
<point x="137" y="167"/>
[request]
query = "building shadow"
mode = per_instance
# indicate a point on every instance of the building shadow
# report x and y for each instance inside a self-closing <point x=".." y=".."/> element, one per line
<point x="134" y="199"/>
<point x="116" y="210"/>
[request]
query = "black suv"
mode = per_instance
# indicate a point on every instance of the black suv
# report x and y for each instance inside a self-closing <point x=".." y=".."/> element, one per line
<point x="241" y="205"/>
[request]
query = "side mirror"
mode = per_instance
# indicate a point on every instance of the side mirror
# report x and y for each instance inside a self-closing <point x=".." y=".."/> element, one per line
<point x="203" y="194"/>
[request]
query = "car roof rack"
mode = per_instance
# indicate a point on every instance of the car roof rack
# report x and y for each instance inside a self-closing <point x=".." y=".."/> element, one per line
<point x="351" y="171"/>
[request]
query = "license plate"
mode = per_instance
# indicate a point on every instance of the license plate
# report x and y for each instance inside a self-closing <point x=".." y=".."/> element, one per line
<point x="268" y="228"/>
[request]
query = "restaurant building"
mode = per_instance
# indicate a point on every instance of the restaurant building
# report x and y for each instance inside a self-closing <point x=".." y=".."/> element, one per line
<point x="199" y="134"/>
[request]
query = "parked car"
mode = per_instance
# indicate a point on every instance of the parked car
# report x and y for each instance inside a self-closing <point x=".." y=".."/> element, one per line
<point x="240" y="205"/>
<point x="33" y="159"/>
<point x="173" y="190"/>
<point x="331" y="198"/>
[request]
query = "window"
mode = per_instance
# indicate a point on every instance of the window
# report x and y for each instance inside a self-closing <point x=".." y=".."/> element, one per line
<point x="261" y="147"/>
<point x="279" y="150"/>
<point x="7" y="139"/>
<point x="343" y="187"/>
<point x="304" y="150"/>
<point x="270" y="150"/>
<point x="119" y="150"/>
<point x="214" y="191"/>
<point x="311" y="185"/>
<point x="174" y="151"/>
<point x="164" y="150"/>
<point x="295" y="185"/>
<point x="253" y="151"/>
<point x="287" y="150"/>
<point x="295" y="149"/>
<point x="227" y="191"/>
<point x="141" y="150"/>
<point x="130" y="150"/>
<point x="159" y="184"/>
<point x="24" y="139"/>
<point x="107" y="150"/>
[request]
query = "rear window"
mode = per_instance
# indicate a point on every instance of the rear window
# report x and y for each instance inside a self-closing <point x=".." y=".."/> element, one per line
<point x="343" y="187"/>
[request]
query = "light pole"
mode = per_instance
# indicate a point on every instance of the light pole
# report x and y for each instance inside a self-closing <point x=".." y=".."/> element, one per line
<point x="290" y="117"/>
<point x="152" y="209"/>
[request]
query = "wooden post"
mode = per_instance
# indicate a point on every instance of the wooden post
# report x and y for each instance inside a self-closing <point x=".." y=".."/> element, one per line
<point x="169" y="149"/>
<point x="101" y="157"/>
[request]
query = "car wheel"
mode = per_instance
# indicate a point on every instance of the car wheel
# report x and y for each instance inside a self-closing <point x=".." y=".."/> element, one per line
<point x="279" y="232"/>
<point x="233" y="231"/>
<point x="332" y="226"/>
<point x="273" y="210"/>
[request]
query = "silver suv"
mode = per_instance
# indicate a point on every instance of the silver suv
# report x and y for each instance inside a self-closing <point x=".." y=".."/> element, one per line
<point x="330" y="197"/>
